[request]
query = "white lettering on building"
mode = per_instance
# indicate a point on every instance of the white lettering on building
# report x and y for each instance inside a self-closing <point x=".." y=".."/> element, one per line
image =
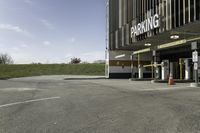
<point x="145" y="26"/>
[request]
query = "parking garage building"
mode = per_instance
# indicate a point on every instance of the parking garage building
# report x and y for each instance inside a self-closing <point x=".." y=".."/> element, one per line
<point x="152" y="38"/>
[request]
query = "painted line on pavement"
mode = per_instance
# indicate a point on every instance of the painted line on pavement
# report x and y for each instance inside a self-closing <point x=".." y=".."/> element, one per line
<point x="167" y="88"/>
<point x="29" y="101"/>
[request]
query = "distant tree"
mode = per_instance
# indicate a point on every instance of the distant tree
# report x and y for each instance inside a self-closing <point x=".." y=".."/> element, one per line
<point x="75" y="60"/>
<point x="99" y="62"/>
<point x="36" y="63"/>
<point x="6" y="59"/>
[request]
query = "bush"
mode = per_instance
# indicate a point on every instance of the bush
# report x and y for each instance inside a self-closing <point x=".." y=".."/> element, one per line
<point x="6" y="59"/>
<point x="75" y="60"/>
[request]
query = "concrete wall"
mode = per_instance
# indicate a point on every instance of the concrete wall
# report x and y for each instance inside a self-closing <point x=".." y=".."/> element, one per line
<point x="121" y="67"/>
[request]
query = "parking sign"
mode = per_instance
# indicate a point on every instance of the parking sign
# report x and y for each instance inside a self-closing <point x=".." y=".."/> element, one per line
<point x="195" y="66"/>
<point x="194" y="46"/>
<point x="195" y="56"/>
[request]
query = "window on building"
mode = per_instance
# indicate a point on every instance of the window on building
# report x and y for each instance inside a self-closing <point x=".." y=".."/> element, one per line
<point x="173" y="13"/>
<point x="177" y="12"/>
<point x="186" y="12"/>
<point x="198" y="9"/>
<point x="191" y="10"/>
<point x="181" y="12"/>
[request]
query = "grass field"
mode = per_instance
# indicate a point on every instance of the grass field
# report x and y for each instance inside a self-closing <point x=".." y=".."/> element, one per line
<point x="13" y="71"/>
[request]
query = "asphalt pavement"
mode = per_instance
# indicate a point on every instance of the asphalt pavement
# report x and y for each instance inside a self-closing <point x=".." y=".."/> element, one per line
<point x="93" y="104"/>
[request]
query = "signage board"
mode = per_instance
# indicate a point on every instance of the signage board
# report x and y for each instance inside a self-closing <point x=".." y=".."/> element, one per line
<point x="194" y="45"/>
<point x="196" y="66"/>
<point x="145" y="26"/>
<point x="154" y="53"/>
<point x="195" y="56"/>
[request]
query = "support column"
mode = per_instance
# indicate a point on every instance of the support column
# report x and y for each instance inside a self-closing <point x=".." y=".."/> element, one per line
<point x="132" y="71"/>
<point x="187" y="70"/>
<point x="155" y="68"/>
<point x="164" y="77"/>
<point x="195" y="58"/>
<point x="157" y="73"/>
<point x="171" y="69"/>
<point x="138" y="64"/>
<point x="155" y="65"/>
<point x="165" y="69"/>
<point x="140" y="72"/>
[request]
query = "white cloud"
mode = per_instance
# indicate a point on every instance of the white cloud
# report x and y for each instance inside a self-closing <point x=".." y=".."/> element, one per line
<point x="14" y="28"/>
<point x="28" y="1"/>
<point x="27" y="58"/>
<point x="47" y="24"/>
<point x="11" y="28"/>
<point x="93" y="56"/>
<point x="2" y="45"/>
<point x="47" y="43"/>
<point x="68" y="55"/>
<point x="15" y="49"/>
<point x="22" y="58"/>
<point x="24" y="45"/>
<point x="72" y="40"/>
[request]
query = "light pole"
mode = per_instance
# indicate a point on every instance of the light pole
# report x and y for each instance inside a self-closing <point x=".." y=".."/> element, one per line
<point x="195" y="59"/>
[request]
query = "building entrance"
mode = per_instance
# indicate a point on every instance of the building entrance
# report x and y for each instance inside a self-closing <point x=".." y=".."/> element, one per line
<point x="179" y="62"/>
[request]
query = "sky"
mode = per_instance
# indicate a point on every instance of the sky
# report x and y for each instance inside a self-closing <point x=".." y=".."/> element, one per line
<point x="52" y="31"/>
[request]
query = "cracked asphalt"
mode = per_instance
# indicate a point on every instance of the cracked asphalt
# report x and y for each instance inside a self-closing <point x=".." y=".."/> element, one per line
<point x="86" y="104"/>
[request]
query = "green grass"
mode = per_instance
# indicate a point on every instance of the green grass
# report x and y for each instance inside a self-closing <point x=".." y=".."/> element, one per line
<point x="13" y="71"/>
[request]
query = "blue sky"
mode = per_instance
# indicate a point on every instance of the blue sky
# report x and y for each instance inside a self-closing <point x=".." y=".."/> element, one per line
<point x="52" y="31"/>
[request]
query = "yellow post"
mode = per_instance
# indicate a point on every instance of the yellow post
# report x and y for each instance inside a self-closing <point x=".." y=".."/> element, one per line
<point x="181" y="67"/>
<point x="138" y="63"/>
<point x="138" y="60"/>
<point x="152" y="70"/>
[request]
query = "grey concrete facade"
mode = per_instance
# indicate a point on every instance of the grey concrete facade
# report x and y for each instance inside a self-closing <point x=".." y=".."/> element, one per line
<point x="125" y="13"/>
<point x="179" y="24"/>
